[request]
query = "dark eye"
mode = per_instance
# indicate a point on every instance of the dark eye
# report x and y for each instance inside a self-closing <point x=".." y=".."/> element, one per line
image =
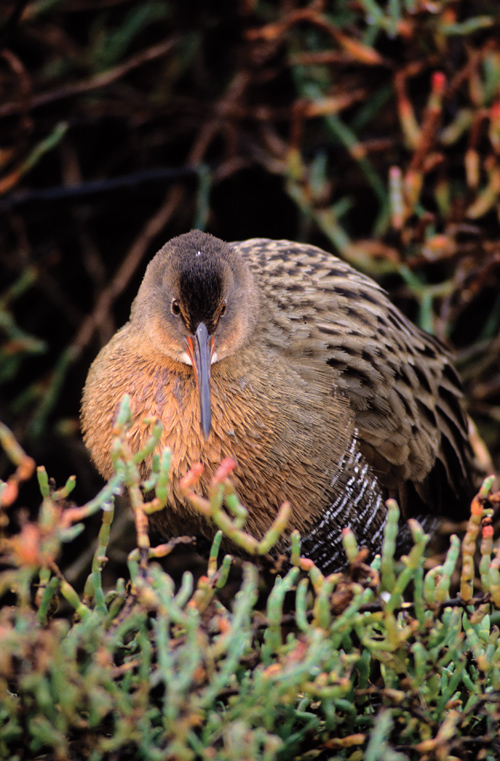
<point x="224" y="309"/>
<point x="174" y="306"/>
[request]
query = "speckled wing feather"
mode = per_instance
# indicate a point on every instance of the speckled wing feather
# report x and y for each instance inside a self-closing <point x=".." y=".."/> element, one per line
<point x="402" y="388"/>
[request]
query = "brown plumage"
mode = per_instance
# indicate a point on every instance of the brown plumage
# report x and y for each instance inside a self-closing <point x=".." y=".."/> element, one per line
<point x="285" y="358"/>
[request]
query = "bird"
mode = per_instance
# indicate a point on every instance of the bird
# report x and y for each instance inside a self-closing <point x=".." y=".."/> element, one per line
<point x="286" y="359"/>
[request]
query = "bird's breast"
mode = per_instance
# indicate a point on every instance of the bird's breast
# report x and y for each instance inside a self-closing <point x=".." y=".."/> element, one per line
<point x="286" y="432"/>
<point x="271" y="422"/>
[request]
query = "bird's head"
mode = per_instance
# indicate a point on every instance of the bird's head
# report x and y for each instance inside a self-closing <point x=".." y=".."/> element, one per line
<point x="197" y="304"/>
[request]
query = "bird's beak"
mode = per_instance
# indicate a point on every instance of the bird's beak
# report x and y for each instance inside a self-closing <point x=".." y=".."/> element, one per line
<point x="200" y="350"/>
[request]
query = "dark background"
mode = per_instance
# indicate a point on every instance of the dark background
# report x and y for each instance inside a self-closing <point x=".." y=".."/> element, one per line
<point x="124" y="123"/>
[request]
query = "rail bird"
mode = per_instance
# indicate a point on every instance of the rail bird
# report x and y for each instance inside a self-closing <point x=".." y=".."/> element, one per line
<point x="285" y="358"/>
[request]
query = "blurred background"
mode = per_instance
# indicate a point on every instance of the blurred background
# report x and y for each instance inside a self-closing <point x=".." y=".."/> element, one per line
<point x="369" y="128"/>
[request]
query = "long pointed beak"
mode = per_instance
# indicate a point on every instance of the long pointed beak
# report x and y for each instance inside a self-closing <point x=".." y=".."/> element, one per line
<point x="200" y="349"/>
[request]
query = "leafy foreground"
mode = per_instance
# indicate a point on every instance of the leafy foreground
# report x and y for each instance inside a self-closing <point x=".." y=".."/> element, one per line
<point x="376" y="663"/>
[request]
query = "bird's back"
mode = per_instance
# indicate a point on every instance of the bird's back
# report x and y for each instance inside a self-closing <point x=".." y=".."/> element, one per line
<point x="403" y="390"/>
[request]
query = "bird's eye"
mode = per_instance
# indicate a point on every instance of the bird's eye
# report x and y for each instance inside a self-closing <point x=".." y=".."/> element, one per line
<point x="224" y="309"/>
<point x="175" y="308"/>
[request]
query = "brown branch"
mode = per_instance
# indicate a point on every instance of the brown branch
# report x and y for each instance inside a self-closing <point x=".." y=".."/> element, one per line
<point x="94" y="83"/>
